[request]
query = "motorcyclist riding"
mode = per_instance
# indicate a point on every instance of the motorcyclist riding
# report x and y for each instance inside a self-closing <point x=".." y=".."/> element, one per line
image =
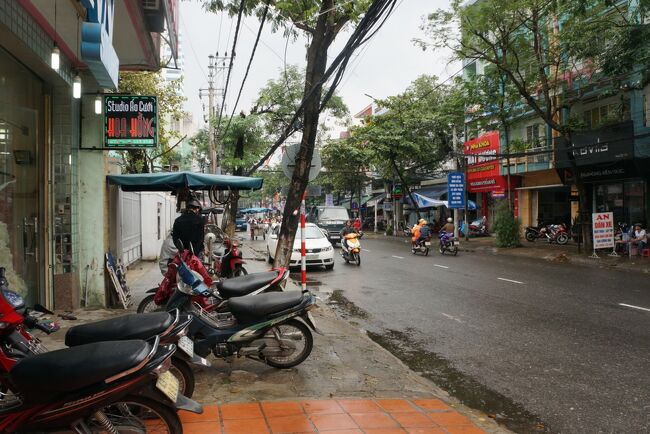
<point x="189" y="227"/>
<point x="449" y="226"/>
<point x="424" y="232"/>
<point x="347" y="229"/>
<point x="416" y="230"/>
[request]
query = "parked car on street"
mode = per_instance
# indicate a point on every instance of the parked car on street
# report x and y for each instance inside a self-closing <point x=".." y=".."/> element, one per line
<point x="330" y="218"/>
<point x="319" y="250"/>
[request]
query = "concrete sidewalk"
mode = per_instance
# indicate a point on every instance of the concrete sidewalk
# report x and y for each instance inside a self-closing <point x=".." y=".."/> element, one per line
<point x="349" y="384"/>
<point x="545" y="251"/>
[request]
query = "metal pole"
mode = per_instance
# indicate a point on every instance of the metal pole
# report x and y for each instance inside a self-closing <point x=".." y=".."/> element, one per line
<point x="303" y="250"/>
<point x="456" y="210"/>
<point x="466" y="199"/>
<point x="211" y="126"/>
<point x="376" y="205"/>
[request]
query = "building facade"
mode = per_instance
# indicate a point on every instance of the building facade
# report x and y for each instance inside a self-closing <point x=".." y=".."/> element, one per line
<point x="56" y="57"/>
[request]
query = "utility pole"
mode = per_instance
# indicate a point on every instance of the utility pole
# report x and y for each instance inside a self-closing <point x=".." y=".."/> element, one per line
<point x="216" y="65"/>
<point x="222" y="65"/>
<point x="210" y="118"/>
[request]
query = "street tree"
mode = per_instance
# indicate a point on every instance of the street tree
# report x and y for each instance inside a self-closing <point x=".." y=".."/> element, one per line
<point x="170" y="106"/>
<point x="539" y="46"/>
<point x="321" y="21"/>
<point x="414" y="133"/>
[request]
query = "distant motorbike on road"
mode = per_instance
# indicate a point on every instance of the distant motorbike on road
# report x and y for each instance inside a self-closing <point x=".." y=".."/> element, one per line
<point x="447" y="244"/>
<point x="421" y="246"/>
<point x="351" y="248"/>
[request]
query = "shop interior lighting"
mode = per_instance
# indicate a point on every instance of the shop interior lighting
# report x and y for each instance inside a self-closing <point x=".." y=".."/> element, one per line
<point x="55" y="58"/>
<point x="76" y="87"/>
<point x="98" y="105"/>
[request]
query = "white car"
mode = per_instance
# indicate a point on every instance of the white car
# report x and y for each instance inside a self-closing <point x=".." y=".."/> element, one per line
<point x="319" y="250"/>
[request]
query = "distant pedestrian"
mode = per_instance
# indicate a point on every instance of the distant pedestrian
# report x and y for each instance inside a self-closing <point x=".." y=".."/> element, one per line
<point x="640" y="238"/>
<point x="357" y="225"/>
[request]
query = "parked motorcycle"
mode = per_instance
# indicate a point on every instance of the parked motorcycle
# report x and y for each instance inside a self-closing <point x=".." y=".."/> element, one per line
<point x="273" y="328"/>
<point x="351" y="248"/>
<point x="477" y="228"/>
<point x="106" y="386"/>
<point x="250" y="284"/>
<point x="551" y="233"/>
<point x="447" y="243"/>
<point x="421" y="246"/>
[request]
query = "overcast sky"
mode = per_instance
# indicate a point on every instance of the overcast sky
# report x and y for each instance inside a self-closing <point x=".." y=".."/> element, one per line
<point x="385" y="66"/>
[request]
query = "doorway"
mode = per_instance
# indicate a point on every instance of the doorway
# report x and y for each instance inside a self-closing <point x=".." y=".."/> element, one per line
<point x="21" y="144"/>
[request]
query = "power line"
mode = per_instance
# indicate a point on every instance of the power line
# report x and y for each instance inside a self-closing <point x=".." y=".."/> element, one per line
<point x="196" y="57"/>
<point x="232" y="60"/>
<point x="248" y="67"/>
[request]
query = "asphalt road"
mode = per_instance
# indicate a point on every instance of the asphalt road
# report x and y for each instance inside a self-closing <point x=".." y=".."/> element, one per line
<point x="516" y="337"/>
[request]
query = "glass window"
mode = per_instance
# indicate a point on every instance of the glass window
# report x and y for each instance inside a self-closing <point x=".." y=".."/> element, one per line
<point x="624" y="199"/>
<point x="333" y="214"/>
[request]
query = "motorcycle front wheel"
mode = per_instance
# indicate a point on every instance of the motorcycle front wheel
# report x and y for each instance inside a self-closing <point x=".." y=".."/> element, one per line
<point x="239" y="271"/>
<point x="562" y="238"/>
<point x="357" y="259"/>
<point x="138" y="414"/>
<point x="300" y="335"/>
<point x="441" y="249"/>
<point x="149" y="305"/>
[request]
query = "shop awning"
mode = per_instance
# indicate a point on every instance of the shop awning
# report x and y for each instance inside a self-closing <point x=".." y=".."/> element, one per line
<point x="170" y="181"/>
<point x="347" y="202"/>
<point x="537" y="187"/>
<point x="376" y="200"/>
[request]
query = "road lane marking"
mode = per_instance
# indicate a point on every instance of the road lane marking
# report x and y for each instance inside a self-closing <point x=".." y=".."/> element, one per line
<point x="635" y="307"/>
<point x="441" y="266"/>
<point x="511" y="281"/>
<point x="451" y="317"/>
<point x="365" y="250"/>
<point x="398" y="257"/>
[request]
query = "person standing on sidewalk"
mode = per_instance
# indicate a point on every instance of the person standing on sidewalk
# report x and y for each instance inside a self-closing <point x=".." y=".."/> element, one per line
<point x="189" y="227"/>
<point x="640" y="239"/>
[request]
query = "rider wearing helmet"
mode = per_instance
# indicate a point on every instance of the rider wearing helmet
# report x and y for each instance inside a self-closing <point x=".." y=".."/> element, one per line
<point x="189" y="227"/>
<point x="416" y="230"/>
<point x="449" y="226"/>
<point x="424" y="232"/>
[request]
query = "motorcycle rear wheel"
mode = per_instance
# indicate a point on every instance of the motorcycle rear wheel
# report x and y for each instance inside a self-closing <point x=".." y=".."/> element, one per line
<point x="182" y="371"/>
<point x="136" y="413"/>
<point x="426" y="251"/>
<point x="441" y="250"/>
<point x="297" y="357"/>
<point x="149" y="305"/>
<point x="530" y="237"/>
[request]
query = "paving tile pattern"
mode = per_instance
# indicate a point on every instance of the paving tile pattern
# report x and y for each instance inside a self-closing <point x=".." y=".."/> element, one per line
<point x="344" y="416"/>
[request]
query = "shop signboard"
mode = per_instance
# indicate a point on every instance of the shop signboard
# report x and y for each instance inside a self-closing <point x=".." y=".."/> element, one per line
<point x="603" y="230"/>
<point x="608" y="144"/>
<point x="130" y="122"/>
<point x="388" y="206"/>
<point x="329" y="199"/>
<point x="483" y="172"/>
<point x="456" y="190"/>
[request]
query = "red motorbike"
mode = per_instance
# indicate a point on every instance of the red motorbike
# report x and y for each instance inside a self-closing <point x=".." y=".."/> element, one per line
<point x="248" y="284"/>
<point x="105" y="386"/>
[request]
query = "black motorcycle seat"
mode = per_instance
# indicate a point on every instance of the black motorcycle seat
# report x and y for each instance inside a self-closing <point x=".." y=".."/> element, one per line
<point x="74" y="368"/>
<point x="264" y="304"/>
<point x="134" y="326"/>
<point x="244" y="285"/>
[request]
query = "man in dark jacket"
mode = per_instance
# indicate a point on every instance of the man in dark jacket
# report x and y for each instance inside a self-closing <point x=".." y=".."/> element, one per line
<point x="189" y="227"/>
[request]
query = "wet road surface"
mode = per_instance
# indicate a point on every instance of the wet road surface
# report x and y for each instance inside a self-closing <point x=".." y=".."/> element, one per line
<point x="539" y="346"/>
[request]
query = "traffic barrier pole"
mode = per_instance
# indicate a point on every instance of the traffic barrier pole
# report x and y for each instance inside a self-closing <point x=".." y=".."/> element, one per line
<point x="303" y="250"/>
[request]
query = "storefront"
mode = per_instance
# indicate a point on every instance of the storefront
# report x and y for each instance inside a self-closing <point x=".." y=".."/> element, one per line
<point x="614" y="179"/>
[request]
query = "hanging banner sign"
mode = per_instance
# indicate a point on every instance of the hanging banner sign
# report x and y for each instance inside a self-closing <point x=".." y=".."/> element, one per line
<point x="130" y="122"/>
<point x="603" y="230"/>
<point x="456" y="190"/>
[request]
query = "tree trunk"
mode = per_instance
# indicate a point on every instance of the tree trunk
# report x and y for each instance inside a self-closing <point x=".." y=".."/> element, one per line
<point x="316" y="66"/>
<point x="230" y="213"/>
<point x="408" y="190"/>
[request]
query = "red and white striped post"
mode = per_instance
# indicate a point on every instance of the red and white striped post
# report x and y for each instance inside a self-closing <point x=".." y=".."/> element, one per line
<point x="303" y="250"/>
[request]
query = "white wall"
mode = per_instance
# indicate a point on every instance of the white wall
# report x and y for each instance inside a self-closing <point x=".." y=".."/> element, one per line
<point x="155" y="205"/>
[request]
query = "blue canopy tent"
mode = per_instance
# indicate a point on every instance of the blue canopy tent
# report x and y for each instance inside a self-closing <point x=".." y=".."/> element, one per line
<point x="427" y="202"/>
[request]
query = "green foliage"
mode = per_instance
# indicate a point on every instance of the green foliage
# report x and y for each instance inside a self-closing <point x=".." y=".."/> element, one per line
<point x="250" y="130"/>
<point x="506" y="226"/>
<point x="170" y="106"/>
<point x="346" y="164"/>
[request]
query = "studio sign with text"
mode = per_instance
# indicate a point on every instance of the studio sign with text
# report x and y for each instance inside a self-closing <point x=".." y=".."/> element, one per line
<point x="130" y="121"/>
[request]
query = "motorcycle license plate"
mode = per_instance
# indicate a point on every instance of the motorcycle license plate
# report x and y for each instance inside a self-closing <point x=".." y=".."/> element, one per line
<point x="186" y="345"/>
<point x="427" y="243"/>
<point x="455" y="243"/>
<point x="168" y="384"/>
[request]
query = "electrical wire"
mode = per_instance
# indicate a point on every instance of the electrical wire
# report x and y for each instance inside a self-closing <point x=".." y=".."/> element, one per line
<point x="232" y="60"/>
<point x="196" y="57"/>
<point x="248" y="67"/>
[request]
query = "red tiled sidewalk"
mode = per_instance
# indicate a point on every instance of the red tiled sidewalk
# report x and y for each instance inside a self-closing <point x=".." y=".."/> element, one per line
<point x="343" y="416"/>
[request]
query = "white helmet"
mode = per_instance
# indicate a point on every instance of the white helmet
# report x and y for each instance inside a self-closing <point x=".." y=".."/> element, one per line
<point x="449" y="220"/>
